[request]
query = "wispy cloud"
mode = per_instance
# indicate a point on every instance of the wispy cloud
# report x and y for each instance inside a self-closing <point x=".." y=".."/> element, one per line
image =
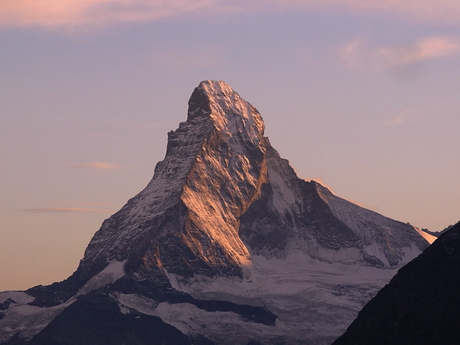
<point x="52" y="13"/>
<point x="445" y="11"/>
<point x="96" y="166"/>
<point x="425" y="49"/>
<point x="76" y="207"/>
<point x="398" y="59"/>
<point x="352" y="52"/>
<point x="86" y="203"/>
<point x="402" y="118"/>
<point x="63" y="210"/>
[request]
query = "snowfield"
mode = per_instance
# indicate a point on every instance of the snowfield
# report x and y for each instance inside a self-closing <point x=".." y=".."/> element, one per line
<point x="25" y="319"/>
<point x="315" y="298"/>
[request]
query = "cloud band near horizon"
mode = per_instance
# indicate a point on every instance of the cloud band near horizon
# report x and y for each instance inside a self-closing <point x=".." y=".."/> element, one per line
<point x="63" y="210"/>
<point x="96" y="166"/>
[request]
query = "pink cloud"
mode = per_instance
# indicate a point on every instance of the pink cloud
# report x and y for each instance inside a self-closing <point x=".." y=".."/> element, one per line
<point x="96" y="166"/>
<point x="352" y="52"/>
<point x="52" y="13"/>
<point x="360" y="54"/>
<point x="402" y="118"/>
<point x="421" y="10"/>
<point x="426" y="49"/>
<point x="75" y="207"/>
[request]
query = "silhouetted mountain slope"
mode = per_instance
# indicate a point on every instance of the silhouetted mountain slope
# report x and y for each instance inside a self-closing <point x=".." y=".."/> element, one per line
<point x="420" y="305"/>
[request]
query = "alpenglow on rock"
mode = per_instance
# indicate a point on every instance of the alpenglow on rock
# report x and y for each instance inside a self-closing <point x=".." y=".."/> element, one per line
<point x="225" y="245"/>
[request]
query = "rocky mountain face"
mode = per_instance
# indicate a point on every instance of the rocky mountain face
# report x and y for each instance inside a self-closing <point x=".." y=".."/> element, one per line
<point x="420" y="305"/>
<point x="225" y="245"/>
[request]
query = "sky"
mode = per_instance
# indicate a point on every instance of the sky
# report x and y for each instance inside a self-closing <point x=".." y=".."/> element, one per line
<point x="360" y="95"/>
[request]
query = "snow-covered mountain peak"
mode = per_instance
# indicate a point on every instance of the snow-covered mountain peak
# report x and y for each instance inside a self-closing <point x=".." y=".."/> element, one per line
<point x="226" y="176"/>
<point x="222" y="192"/>
<point x="225" y="245"/>
<point x="216" y="88"/>
<point x="231" y="115"/>
<point x="213" y="169"/>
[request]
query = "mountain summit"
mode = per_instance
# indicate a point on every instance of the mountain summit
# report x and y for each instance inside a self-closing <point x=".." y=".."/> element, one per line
<point x="225" y="245"/>
<point x="186" y="221"/>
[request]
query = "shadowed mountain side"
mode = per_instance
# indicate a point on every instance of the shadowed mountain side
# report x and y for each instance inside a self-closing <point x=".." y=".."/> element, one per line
<point x="420" y="305"/>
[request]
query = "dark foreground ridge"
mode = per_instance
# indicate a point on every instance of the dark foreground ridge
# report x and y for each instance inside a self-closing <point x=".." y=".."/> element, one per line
<point x="96" y="319"/>
<point x="421" y="304"/>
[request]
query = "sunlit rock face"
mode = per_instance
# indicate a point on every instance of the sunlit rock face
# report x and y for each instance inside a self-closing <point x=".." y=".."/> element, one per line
<point x="186" y="221"/>
<point x="225" y="245"/>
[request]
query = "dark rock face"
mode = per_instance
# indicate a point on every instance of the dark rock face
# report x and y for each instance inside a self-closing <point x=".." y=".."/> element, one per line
<point x="225" y="245"/>
<point x="421" y="304"/>
<point x="96" y="319"/>
<point x="263" y="226"/>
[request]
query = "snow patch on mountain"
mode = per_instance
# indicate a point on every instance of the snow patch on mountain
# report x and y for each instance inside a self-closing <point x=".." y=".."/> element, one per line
<point x="17" y="296"/>
<point x="284" y="198"/>
<point x="354" y="216"/>
<point x="24" y="319"/>
<point x="342" y="255"/>
<point x="221" y="327"/>
<point x="312" y="298"/>
<point x="393" y="242"/>
<point x="292" y="274"/>
<point x="376" y="250"/>
<point x="109" y="275"/>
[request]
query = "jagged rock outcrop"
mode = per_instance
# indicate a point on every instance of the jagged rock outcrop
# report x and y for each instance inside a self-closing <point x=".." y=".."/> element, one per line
<point x="224" y="237"/>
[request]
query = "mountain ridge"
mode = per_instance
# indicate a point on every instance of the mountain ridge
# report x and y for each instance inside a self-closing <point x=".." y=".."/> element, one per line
<point x="224" y="230"/>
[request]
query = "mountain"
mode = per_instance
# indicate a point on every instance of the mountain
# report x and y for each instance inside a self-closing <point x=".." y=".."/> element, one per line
<point x="225" y="245"/>
<point x="420" y="305"/>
